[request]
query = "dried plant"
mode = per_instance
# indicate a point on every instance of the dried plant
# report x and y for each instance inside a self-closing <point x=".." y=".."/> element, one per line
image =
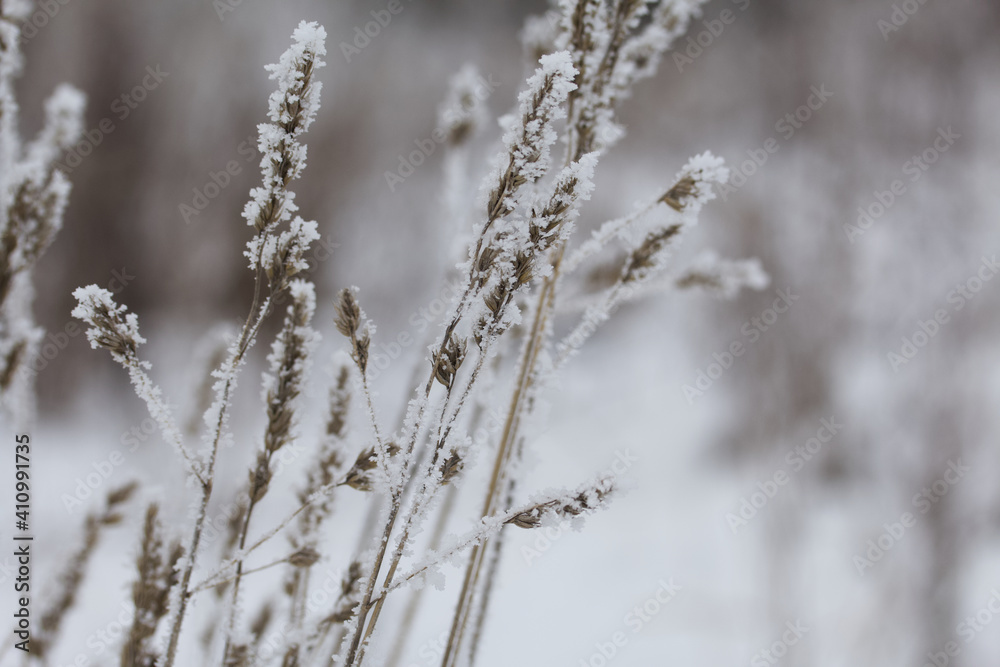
<point x="499" y="333"/>
<point x="75" y="569"/>
<point x="33" y="197"/>
<point x="156" y="568"/>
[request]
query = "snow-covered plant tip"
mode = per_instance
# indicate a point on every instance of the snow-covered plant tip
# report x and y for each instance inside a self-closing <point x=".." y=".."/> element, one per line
<point x="495" y="352"/>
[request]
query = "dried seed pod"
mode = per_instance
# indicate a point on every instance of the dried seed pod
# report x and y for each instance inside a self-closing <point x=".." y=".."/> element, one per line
<point x="526" y="520"/>
<point x="462" y="111"/>
<point x="447" y="363"/>
<point x="479" y="331"/>
<point x="262" y="620"/>
<point x="348" y="313"/>
<point x="260" y="478"/>
<point x="484" y="263"/>
<point x="584" y="500"/>
<point x="349" y="319"/>
<point x="348" y="600"/>
<point x="693" y="187"/>
<point x="496" y="299"/>
<point x="110" y="326"/>
<point x="150" y="592"/>
<point x="676" y="196"/>
<point x="646" y="256"/>
<point x="361" y="346"/>
<point x="304" y="557"/>
<point x="530" y="138"/>
<point x="359" y="476"/>
<point x="339" y="402"/>
<point x="523" y="266"/>
<point x="451" y="467"/>
<point x="238" y="656"/>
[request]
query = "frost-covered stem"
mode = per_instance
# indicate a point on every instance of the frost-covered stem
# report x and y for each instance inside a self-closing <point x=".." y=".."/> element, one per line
<point x="429" y="485"/>
<point x="297" y="611"/>
<point x="291" y="108"/>
<point x="528" y="145"/>
<point x="367" y="533"/>
<point x="553" y="223"/>
<point x="248" y="335"/>
<point x="352" y="324"/>
<point x="414" y="507"/>
<point x="269" y="535"/>
<point x="604" y="235"/>
<point x="395" y="502"/>
<point x="111" y="327"/>
<point x="146" y="389"/>
<point x="233" y="364"/>
<point x="585" y="499"/>
<point x="289" y="360"/>
<point x="580" y="134"/>
<point x="413" y="604"/>
<point x="212" y="584"/>
<point x="396" y="490"/>
<point x="370" y="405"/>
<point x="366" y="599"/>
<point x="529" y="355"/>
<point x="237" y="578"/>
<point x="493" y="549"/>
<point x="175" y="629"/>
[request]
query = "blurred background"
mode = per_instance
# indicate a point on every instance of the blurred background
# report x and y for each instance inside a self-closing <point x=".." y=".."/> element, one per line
<point x="852" y="396"/>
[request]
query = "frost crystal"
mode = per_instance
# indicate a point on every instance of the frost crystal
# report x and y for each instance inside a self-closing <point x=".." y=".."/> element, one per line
<point x="292" y="108"/>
